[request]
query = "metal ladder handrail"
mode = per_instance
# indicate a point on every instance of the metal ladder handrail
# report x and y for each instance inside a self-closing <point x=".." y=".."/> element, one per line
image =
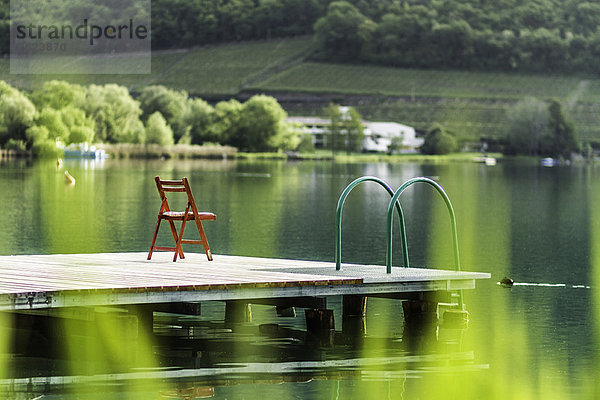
<point x="390" y="217"/>
<point x="340" y="205"/>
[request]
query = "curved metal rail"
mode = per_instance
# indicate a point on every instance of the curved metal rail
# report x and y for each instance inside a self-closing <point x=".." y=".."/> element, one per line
<point x="340" y="206"/>
<point x="390" y="218"/>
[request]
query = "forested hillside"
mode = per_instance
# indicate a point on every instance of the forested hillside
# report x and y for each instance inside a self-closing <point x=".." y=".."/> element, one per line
<point x="524" y="35"/>
<point x="530" y="35"/>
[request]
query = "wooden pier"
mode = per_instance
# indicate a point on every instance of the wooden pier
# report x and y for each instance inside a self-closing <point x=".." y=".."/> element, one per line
<point x="113" y="279"/>
<point x="39" y="292"/>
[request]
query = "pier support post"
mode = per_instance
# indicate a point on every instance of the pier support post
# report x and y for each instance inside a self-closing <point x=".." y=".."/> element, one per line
<point x="420" y="321"/>
<point x="237" y="311"/>
<point x="354" y="311"/>
<point x="145" y="318"/>
<point x="283" y="311"/>
<point x="456" y="319"/>
<point x="321" y="324"/>
<point x="185" y="308"/>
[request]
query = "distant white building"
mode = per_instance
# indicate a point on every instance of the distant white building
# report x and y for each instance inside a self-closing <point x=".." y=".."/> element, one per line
<point x="379" y="136"/>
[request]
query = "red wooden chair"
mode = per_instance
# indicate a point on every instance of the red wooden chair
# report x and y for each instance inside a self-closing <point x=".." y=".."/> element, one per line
<point x="190" y="213"/>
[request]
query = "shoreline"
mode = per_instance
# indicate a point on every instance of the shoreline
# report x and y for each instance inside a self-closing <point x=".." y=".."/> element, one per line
<point x="220" y="152"/>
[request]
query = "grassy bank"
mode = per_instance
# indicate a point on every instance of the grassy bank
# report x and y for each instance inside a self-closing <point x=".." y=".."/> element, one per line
<point x="413" y="158"/>
<point x="227" y="152"/>
<point x="339" y="157"/>
<point x="128" y="150"/>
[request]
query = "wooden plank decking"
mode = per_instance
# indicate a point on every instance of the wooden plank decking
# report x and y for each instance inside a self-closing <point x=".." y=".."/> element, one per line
<point x="48" y="281"/>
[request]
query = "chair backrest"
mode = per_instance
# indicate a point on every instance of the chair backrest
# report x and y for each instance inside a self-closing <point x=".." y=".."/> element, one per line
<point x="177" y="185"/>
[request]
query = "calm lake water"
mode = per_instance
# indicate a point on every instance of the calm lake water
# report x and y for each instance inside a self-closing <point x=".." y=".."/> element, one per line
<point x="539" y="226"/>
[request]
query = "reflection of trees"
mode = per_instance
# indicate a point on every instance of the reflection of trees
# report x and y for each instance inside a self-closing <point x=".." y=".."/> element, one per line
<point x="594" y="218"/>
<point x="255" y="204"/>
<point x="73" y="219"/>
<point x="20" y="196"/>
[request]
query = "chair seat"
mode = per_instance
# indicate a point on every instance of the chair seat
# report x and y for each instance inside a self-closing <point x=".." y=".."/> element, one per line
<point x="179" y="215"/>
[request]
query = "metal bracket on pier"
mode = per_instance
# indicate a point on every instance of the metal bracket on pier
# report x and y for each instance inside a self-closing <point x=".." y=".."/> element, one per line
<point x="23" y="301"/>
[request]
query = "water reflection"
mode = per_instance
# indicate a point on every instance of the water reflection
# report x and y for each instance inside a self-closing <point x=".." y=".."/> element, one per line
<point x="199" y="356"/>
<point x="533" y="224"/>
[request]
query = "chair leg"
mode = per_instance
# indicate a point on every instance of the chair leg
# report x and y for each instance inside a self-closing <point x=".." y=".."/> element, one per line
<point x="154" y="239"/>
<point x="204" y="240"/>
<point x="178" y="248"/>
<point x="176" y="239"/>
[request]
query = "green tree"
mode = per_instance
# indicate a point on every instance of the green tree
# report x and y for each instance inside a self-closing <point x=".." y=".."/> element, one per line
<point x="542" y="50"/>
<point x="58" y="95"/>
<point x="564" y="138"/>
<point x="172" y="104"/>
<point x="306" y="144"/>
<point x="80" y="126"/>
<point x="61" y="115"/>
<point x="453" y="44"/>
<point x="198" y="119"/>
<point x="494" y="50"/>
<point x="46" y="149"/>
<point x="346" y="131"/>
<point x="115" y="113"/>
<point x="287" y="139"/>
<point x="261" y="119"/>
<point x="584" y="17"/>
<point x="43" y="145"/>
<point x="4" y="28"/>
<point x="396" y="144"/>
<point x="335" y="140"/>
<point x="353" y="129"/>
<point x="37" y="133"/>
<point x="438" y="141"/>
<point x="67" y="125"/>
<point x="527" y="127"/>
<point x="236" y="19"/>
<point x="52" y="120"/>
<point x="17" y="113"/>
<point x="402" y="39"/>
<point x="226" y="120"/>
<point x="343" y="31"/>
<point x="534" y="14"/>
<point x="157" y="130"/>
<point x="81" y="134"/>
